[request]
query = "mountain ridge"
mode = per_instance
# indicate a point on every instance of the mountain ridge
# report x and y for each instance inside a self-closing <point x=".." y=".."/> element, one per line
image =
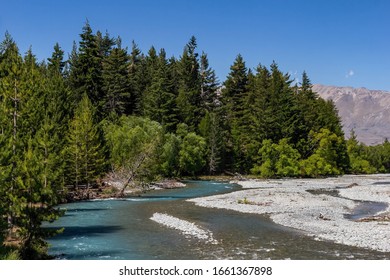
<point x="364" y="110"/>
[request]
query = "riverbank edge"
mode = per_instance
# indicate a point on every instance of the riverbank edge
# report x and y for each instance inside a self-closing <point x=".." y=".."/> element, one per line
<point x="322" y="216"/>
<point x="112" y="189"/>
<point x="109" y="188"/>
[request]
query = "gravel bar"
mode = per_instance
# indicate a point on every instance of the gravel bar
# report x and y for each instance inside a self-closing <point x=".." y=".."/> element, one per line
<point x="187" y="228"/>
<point x="317" y="207"/>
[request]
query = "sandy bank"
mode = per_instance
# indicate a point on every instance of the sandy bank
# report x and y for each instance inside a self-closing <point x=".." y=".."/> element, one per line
<point x="317" y="207"/>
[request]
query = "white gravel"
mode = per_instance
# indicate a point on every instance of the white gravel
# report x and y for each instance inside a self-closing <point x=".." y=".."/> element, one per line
<point x="288" y="203"/>
<point x="187" y="228"/>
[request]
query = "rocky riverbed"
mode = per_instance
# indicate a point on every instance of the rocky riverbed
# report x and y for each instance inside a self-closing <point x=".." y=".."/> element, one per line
<point x="320" y="208"/>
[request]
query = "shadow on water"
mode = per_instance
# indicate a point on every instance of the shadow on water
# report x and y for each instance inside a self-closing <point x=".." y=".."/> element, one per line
<point x="73" y="231"/>
<point x="107" y="255"/>
<point x="74" y="212"/>
<point x="86" y="210"/>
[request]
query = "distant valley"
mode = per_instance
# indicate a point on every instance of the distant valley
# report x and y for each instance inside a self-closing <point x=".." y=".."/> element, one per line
<point x="366" y="111"/>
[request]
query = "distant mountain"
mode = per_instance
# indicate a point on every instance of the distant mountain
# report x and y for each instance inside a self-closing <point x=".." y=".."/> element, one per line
<point x="366" y="111"/>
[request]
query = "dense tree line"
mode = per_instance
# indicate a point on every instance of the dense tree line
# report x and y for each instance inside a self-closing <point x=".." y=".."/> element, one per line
<point x="111" y="111"/>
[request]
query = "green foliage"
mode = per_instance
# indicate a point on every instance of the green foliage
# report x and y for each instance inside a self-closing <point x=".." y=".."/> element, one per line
<point x="37" y="175"/>
<point x="86" y="69"/>
<point x="359" y="165"/>
<point x="12" y="255"/>
<point x="192" y="154"/>
<point x="29" y="164"/>
<point x="137" y="79"/>
<point x="116" y="85"/>
<point x="189" y="96"/>
<point x="233" y="101"/>
<point x="287" y="164"/>
<point x="85" y="158"/>
<point x="280" y="160"/>
<point x="327" y="157"/>
<point x="211" y="129"/>
<point x="209" y="85"/>
<point x="159" y="97"/>
<point x="134" y="145"/>
<point x="170" y="155"/>
<point x="378" y="156"/>
<point x="267" y="155"/>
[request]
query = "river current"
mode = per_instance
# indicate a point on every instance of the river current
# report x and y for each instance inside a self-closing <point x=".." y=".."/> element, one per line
<point x="122" y="229"/>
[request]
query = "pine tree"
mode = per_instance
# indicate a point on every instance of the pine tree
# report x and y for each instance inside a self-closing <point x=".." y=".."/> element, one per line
<point x="137" y="74"/>
<point x="235" y="90"/>
<point x="34" y="91"/>
<point x="233" y="102"/>
<point x="86" y="68"/>
<point x="28" y="195"/>
<point x="211" y="129"/>
<point x="105" y="43"/>
<point x="258" y="114"/>
<point x="10" y="138"/>
<point x="189" y="97"/>
<point x="306" y="115"/>
<point x="148" y="70"/>
<point x="209" y="85"/>
<point x="281" y="105"/>
<point x="84" y="151"/>
<point x="159" y="100"/>
<point x="39" y="189"/>
<point x="116" y="85"/>
<point x="56" y="62"/>
<point x="57" y="97"/>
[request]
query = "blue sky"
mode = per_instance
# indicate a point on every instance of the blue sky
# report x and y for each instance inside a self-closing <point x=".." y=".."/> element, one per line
<point x="343" y="43"/>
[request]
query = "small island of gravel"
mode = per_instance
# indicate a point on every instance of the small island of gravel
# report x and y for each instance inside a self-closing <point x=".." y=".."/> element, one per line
<point x="322" y="208"/>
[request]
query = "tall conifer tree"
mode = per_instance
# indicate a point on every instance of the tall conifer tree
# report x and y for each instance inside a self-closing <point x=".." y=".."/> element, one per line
<point x="27" y="190"/>
<point x="159" y="98"/>
<point x="209" y="85"/>
<point x="189" y="97"/>
<point x="233" y="100"/>
<point x="84" y="151"/>
<point x="116" y="84"/>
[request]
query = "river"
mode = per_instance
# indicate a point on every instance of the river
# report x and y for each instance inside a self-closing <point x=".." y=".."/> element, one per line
<point x="122" y="229"/>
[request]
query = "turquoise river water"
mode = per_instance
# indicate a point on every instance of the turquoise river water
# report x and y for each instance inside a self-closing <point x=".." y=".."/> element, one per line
<point x="122" y="229"/>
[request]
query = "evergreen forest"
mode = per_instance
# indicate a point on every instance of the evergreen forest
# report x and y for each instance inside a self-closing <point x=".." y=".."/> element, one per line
<point x="111" y="111"/>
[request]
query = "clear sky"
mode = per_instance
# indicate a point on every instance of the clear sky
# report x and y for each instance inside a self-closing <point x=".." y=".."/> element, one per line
<point x="337" y="42"/>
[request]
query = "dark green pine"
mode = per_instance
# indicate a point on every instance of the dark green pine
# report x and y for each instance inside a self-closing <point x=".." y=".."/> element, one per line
<point x="116" y="84"/>
<point x="189" y="95"/>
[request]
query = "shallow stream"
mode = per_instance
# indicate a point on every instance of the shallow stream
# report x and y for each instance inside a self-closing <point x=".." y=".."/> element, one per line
<point x="122" y="229"/>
